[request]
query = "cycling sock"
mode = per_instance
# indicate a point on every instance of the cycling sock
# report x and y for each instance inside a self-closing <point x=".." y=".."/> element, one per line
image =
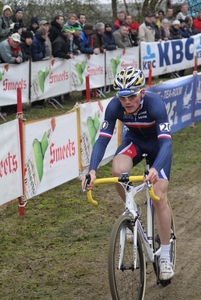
<point x="165" y="252"/>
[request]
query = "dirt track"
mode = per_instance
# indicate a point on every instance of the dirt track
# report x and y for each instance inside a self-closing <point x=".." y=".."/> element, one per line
<point x="84" y="277"/>
<point x="186" y="284"/>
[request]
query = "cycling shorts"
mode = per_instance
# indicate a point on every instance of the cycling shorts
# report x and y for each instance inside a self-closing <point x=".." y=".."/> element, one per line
<point x="135" y="148"/>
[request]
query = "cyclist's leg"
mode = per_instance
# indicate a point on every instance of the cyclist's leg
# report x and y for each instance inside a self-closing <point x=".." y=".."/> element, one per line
<point x="163" y="220"/>
<point x="163" y="214"/>
<point x="123" y="162"/>
<point x="163" y="217"/>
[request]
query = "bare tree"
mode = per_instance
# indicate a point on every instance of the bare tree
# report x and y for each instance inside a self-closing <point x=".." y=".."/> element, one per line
<point x="138" y="8"/>
<point x="94" y="10"/>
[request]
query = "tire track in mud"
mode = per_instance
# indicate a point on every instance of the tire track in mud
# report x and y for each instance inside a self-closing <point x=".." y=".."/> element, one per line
<point x="186" y="284"/>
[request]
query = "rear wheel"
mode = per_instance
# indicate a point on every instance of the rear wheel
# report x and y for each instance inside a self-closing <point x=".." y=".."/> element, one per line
<point x="125" y="281"/>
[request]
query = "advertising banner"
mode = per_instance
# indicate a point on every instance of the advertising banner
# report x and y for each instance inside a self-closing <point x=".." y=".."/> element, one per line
<point x="10" y="162"/>
<point x="118" y="59"/>
<point x="51" y="153"/>
<point x="180" y="98"/>
<point x="170" y="56"/>
<point x="13" y="76"/>
<point x="197" y="105"/>
<point x="87" y="65"/>
<point x="49" y="78"/>
<point x="92" y="116"/>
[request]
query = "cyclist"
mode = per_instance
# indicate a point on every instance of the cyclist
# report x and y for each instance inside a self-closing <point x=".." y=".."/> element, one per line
<point x="145" y="116"/>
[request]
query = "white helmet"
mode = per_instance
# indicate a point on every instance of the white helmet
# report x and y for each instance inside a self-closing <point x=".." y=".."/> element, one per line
<point x="128" y="81"/>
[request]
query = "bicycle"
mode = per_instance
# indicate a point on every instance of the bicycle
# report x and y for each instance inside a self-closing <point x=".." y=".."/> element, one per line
<point x="127" y="260"/>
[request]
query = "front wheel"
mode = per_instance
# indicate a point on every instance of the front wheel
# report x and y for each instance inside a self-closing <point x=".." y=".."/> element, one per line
<point x="125" y="281"/>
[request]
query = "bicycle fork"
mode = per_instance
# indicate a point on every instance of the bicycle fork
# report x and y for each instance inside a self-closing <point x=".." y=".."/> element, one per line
<point x="121" y="247"/>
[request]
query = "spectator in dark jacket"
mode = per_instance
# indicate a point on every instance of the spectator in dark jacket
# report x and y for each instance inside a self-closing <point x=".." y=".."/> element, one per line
<point x="133" y="34"/>
<point x="98" y="37"/>
<point x="17" y="19"/>
<point x="184" y="29"/>
<point x="86" y="45"/>
<point x="56" y="27"/>
<point x="108" y="38"/>
<point x="48" y="44"/>
<point x="61" y="45"/>
<point x="34" y="25"/>
<point x="155" y="19"/>
<point x="189" y="24"/>
<point x="26" y="42"/>
<point x="38" y="45"/>
<point x="175" y="32"/>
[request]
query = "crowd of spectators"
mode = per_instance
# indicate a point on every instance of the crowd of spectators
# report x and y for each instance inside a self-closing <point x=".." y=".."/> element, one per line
<point x="40" y="39"/>
<point x="43" y="39"/>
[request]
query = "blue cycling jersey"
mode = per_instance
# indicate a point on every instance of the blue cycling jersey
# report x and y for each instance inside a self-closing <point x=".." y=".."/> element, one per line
<point x="148" y="130"/>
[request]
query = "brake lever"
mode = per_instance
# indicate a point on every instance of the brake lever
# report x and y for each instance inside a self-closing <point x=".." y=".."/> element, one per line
<point x="87" y="181"/>
<point x="146" y="173"/>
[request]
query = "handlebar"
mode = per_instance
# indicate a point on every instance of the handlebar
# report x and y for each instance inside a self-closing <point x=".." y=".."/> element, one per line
<point x="125" y="178"/>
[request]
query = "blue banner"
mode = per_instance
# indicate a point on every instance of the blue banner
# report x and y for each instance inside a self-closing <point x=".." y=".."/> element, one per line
<point x="183" y="100"/>
<point x="179" y="96"/>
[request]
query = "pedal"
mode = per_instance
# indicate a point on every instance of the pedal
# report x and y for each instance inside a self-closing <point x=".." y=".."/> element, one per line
<point x="165" y="283"/>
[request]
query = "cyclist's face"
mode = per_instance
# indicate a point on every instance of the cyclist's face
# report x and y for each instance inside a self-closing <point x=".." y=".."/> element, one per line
<point x="132" y="102"/>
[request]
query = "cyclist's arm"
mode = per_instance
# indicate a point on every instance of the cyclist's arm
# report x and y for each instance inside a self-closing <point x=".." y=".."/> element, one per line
<point x="164" y="154"/>
<point x="159" y="113"/>
<point x="98" y="151"/>
<point x="106" y="133"/>
<point x="96" y="157"/>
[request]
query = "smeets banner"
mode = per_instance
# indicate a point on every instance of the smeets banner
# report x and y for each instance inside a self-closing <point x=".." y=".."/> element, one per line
<point x="10" y="162"/>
